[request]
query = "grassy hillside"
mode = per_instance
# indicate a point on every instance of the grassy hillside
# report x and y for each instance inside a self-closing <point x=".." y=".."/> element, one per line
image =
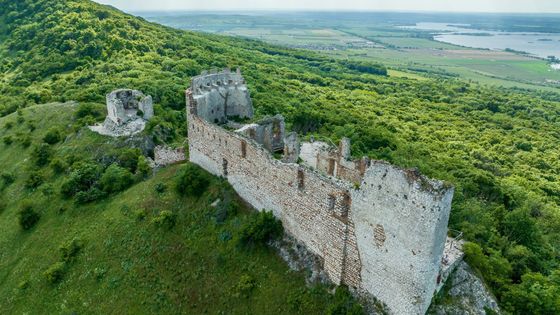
<point x="126" y="262"/>
<point x="499" y="147"/>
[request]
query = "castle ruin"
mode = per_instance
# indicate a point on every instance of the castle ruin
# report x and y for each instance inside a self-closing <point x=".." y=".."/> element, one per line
<point x="127" y="113"/>
<point x="377" y="228"/>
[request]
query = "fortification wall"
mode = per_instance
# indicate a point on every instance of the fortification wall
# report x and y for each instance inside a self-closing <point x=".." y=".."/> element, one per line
<point x="386" y="237"/>
<point x="401" y="222"/>
<point x="311" y="207"/>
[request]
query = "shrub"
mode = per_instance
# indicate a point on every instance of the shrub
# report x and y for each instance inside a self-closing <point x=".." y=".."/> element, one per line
<point x="8" y="140"/>
<point x="52" y="136"/>
<point x="192" y="181"/>
<point x="34" y="180"/>
<point x="58" y="165"/>
<point x="165" y="219"/>
<point x="41" y="154"/>
<point x="8" y="178"/>
<point x="86" y="109"/>
<point x="55" y="272"/>
<point x="225" y="209"/>
<point x="81" y="179"/>
<point x="27" y="216"/>
<point x="70" y="250"/>
<point x="260" y="228"/>
<point x="83" y="197"/>
<point x="143" y="167"/>
<point x="140" y="215"/>
<point x="115" y="179"/>
<point x="129" y="159"/>
<point x="244" y="286"/>
<point x="9" y="125"/>
<point x="160" y="188"/>
<point x="25" y="141"/>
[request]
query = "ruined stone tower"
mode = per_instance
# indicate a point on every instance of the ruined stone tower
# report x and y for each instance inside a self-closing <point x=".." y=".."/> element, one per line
<point x="377" y="228"/>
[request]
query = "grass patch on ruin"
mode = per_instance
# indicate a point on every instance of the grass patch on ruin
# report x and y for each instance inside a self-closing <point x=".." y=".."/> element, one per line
<point x="112" y="256"/>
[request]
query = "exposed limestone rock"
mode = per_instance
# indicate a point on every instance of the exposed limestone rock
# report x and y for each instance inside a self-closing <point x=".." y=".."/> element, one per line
<point x="127" y="113"/>
<point x="466" y="294"/>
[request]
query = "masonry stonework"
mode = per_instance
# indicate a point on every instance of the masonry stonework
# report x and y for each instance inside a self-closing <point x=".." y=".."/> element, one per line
<point x="377" y="228"/>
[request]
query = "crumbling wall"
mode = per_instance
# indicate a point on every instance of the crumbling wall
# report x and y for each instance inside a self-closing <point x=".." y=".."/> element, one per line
<point x="165" y="156"/>
<point x="334" y="161"/>
<point x="377" y="228"/>
<point x="124" y="105"/>
<point x="313" y="208"/>
<point x="401" y="226"/>
<point x="219" y="95"/>
<point x="268" y="132"/>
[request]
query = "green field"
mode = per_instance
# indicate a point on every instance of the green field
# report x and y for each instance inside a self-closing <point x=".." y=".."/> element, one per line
<point x="381" y="41"/>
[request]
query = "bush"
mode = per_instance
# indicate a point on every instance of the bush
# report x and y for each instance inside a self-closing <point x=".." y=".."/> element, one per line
<point x="58" y="165"/>
<point x="192" y="181"/>
<point x="260" y="228"/>
<point x="27" y="216"/>
<point x="55" y="273"/>
<point x="143" y="167"/>
<point x="129" y="159"/>
<point x="52" y="136"/>
<point x="115" y="179"/>
<point x="41" y="154"/>
<point x="244" y="287"/>
<point x="70" y="250"/>
<point x="25" y="141"/>
<point x="83" y="197"/>
<point x="86" y="109"/>
<point x="34" y="180"/>
<point x="225" y="209"/>
<point x="160" y="188"/>
<point x="8" y="140"/>
<point x="8" y="178"/>
<point x="82" y="178"/>
<point x="165" y="219"/>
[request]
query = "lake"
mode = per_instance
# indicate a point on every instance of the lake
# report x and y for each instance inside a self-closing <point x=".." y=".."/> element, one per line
<point x="538" y="44"/>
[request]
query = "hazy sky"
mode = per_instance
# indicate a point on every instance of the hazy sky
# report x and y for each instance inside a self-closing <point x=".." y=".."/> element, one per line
<point x="543" y="6"/>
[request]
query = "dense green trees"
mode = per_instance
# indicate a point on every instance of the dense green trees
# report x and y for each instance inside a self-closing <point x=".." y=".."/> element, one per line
<point x="499" y="147"/>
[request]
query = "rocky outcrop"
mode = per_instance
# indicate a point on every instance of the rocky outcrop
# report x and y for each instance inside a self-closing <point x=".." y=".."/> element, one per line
<point x="465" y="294"/>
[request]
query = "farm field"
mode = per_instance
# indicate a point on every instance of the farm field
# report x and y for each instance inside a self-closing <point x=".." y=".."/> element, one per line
<point x="380" y="40"/>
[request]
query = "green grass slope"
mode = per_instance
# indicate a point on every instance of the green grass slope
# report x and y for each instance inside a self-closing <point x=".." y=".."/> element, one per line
<point x="499" y="147"/>
<point x="127" y="264"/>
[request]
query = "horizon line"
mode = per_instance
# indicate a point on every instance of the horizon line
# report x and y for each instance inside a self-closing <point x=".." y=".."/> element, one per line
<point x="271" y="10"/>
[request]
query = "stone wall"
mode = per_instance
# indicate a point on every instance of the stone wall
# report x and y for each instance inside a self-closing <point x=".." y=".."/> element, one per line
<point x="219" y="95"/>
<point x="124" y="105"/>
<point x="401" y="223"/>
<point x="312" y="208"/>
<point x="165" y="156"/>
<point x="386" y="237"/>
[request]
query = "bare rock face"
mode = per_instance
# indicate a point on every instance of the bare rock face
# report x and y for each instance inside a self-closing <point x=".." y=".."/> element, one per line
<point x="127" y="113"/>
<point x="466" y="295"/>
